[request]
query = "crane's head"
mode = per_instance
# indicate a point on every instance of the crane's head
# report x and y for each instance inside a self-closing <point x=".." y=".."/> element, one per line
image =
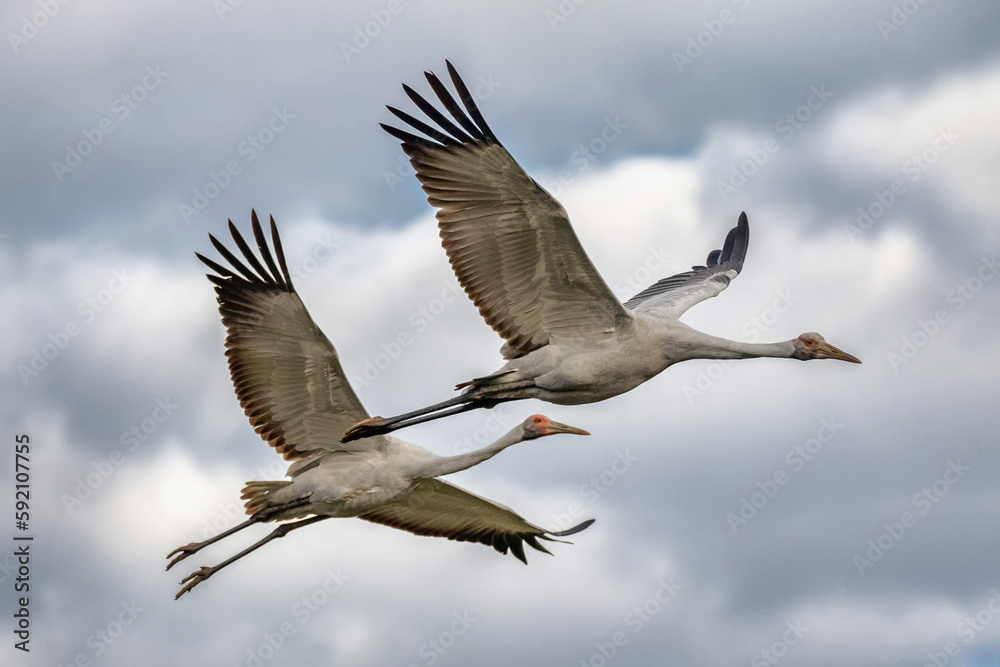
<point x="811" y="345"/>
<point x="537" y="426"/>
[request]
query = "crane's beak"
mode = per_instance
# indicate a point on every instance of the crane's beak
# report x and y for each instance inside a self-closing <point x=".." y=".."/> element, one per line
<point x="556" y="427"/>
<point x="827" y="351"/>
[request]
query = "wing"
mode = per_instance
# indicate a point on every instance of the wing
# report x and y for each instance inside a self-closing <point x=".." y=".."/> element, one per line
<point x="508" y="240"/>
<point x="670" y="297"/>
<point x="286" y="373"/>
<point x="440" y="509"/>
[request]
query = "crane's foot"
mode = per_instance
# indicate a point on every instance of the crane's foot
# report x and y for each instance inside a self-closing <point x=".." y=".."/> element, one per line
<point x="183" y="552"/>
<point x="365" y="428"/>
<point x="194" y="579"/>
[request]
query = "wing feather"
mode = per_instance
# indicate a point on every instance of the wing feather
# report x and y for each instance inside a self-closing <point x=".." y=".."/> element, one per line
<point x="286" y="373"/>
<point x="670" y="297"/>
<point x="509" y="241"/>
<point x="440" y="509"/>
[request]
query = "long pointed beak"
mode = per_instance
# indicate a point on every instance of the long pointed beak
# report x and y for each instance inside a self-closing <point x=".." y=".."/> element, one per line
<point x="831" y="352"/>
<point x="556" y="427"/>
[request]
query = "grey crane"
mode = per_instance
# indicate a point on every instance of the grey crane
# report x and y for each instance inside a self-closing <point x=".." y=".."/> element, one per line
<point x="290" y="383"/>
<point x="569" y="340"/>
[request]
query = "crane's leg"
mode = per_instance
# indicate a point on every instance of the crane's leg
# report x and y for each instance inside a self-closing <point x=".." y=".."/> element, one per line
<point x="438" y="415"/>
<point x="195" y="547"/>
<point x="204" y="573"/>
<point x="376" y="425"/>
<point x="480" y="397"/>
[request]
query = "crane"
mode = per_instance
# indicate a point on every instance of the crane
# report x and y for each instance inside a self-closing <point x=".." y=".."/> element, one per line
<point x="290" y="383"/>
<point x="569" y="340"/>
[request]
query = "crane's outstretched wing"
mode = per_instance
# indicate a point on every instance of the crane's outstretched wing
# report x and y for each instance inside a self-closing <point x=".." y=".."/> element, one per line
<point x="509" y="241"/>
<point x="440" y="509"/>
<point x="670" y="297"/>
<point x="286" y="373"/>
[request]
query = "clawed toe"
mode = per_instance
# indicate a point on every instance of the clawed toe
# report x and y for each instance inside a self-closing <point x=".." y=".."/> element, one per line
<point x="182" y="553"/>
<point x="195" y="578"/>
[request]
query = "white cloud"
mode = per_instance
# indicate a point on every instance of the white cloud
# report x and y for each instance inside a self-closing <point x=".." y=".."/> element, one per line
<point x="946" y="130"/>
<point x="640" y="214"/>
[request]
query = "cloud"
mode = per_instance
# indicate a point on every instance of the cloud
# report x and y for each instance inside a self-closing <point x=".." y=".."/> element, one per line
<point x="700" y="440"/>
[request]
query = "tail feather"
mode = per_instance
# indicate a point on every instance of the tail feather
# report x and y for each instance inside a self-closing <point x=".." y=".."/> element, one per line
<point x="258" y="495"/>
<point x="486" y="380"/>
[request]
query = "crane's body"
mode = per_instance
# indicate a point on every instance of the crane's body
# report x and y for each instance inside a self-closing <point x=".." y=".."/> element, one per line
<point x="574" y="374"/>
<point x="569" y="340"/>
<point x="346" y="484"/>
<point x="289" y="380"/>
<point x="351" y="484"/>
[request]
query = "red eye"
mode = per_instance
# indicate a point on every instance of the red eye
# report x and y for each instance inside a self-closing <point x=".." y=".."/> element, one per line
<point x="538" y="420"/>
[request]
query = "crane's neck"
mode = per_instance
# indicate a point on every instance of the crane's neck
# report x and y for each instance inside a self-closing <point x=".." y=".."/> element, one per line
<point x="712" y="347"/>
<point x="445" y="465"/>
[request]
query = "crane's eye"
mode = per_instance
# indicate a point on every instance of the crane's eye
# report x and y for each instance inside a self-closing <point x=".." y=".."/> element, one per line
<point x="538" y="420"/>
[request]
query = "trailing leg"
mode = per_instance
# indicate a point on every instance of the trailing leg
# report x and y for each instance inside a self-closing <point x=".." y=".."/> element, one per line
<point x="204" y="573"/>
<point x="195" y="547"/>
<point x="257" y="495"/>
<point x="486" y="396"/>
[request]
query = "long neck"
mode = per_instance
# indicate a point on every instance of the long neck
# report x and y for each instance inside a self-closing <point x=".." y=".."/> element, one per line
<point x="712" y="347"/>
<point x="445" y="465"/>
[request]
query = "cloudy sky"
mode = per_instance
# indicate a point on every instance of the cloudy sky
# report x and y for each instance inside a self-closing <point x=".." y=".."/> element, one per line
<point x="759" y="512"/>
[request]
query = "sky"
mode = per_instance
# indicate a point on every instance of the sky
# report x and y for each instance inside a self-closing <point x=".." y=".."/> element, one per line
<point x="757" y="512"/>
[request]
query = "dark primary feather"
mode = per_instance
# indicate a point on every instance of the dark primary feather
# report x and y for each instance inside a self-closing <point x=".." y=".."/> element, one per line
<point x="509" y="241"/>
<point x="439" y="509"/>
<point x="729" y="258"/>
<point x="286" y="373"/>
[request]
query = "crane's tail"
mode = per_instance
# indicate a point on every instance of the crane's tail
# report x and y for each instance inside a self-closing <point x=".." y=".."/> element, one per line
<point x="260" y="496"/>
<point x="486" y="380"/>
